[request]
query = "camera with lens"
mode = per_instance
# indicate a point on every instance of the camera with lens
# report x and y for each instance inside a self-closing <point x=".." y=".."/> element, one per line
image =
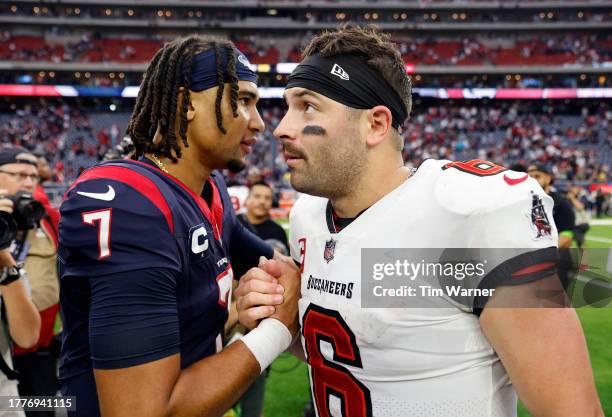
<point x="27" y="213"/>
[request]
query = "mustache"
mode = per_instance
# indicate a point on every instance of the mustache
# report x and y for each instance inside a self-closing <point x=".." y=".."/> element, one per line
<point x="290" y="149"/>
<point x="314" y="130"/>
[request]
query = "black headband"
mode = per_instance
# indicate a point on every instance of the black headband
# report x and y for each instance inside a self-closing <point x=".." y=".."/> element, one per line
<point x="348" y="79"/>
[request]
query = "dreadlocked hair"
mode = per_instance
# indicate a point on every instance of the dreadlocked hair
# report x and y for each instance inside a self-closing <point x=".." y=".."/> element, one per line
<point x="158" y="107"/>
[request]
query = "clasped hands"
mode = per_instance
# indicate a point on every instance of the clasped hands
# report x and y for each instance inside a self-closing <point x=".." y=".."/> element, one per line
<point x="271" y="289"/>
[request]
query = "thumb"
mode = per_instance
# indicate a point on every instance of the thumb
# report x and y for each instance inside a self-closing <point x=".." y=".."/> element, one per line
<point x="272" y="267"/>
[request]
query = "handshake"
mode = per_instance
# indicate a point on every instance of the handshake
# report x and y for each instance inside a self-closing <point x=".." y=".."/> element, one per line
<point x="271" y="290"/>
<point x="267" y="303"/>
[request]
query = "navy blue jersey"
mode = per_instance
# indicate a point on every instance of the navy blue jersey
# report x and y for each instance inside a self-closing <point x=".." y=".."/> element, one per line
<point x="145" y="269"/>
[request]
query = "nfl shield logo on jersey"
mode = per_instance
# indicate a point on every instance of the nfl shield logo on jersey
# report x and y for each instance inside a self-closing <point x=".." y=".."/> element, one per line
<point x="330" y="247"/>
<point x="539" y="219"/>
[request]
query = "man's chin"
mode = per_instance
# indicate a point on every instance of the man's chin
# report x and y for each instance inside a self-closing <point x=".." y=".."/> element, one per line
<point x="235" y="165"/>
<point x="300" y="185"/>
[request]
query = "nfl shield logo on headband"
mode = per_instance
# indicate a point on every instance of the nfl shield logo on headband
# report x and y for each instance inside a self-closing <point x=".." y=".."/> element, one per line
<point x="338" y="71"/>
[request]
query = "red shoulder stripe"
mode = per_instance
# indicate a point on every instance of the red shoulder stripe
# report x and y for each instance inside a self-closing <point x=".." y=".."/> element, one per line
<point x="139" y="182"/>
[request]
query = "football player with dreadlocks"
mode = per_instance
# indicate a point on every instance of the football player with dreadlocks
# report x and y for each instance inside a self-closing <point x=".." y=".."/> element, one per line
<point x="146" y="247"/>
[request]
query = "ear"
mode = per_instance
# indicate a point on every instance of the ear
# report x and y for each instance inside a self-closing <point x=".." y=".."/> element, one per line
<point x="378" y="122"/>
<point x="190" y="110"/>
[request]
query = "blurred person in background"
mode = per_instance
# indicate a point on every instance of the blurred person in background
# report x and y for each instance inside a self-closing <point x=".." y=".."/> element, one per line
<point x="239" y="192"/>
<point x="36" y="246"/>
<point x="600" y="200"/>
<point x="577" y="197"/>
<point x="46" y="174"/>
<point x="20" y="320"/>
<point x="564" y="217"/>
<point x="257" y="219"/>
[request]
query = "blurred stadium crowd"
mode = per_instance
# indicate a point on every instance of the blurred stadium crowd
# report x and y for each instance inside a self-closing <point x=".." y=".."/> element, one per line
<point x="216" y="12"/>
<point x="456" y="44"/>
<point x="565" y="49"/>
<point x="573" y="140"/>
<point x="561" y="49"/>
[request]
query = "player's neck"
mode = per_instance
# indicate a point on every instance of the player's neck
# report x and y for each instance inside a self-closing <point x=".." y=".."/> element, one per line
<point x="371" y="189"/>
<point x="187" y="170"/>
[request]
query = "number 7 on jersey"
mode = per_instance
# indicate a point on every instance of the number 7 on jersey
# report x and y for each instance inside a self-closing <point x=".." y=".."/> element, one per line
<point x="103" y="218"/>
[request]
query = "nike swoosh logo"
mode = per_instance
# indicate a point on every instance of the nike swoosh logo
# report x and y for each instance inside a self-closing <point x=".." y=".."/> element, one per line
<point x="107" y="196"/>
<point x="515" y="181"/>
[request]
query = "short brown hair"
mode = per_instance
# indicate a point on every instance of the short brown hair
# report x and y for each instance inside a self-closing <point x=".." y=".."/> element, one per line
<point x="369" y="42"/>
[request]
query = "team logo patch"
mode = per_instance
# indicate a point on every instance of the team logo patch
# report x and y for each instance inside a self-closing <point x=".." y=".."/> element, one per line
<point x="244" y="61"/>
<point x="338" y="71"/>
<point x="539" y="218"/>
<point x="330" y="248"/>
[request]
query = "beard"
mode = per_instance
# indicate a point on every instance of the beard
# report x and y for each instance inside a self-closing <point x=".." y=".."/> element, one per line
<point x="235" y="165"/>
<point x="332" y="170"/>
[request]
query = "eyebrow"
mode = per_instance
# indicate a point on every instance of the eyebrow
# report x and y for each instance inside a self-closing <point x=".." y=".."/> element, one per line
<point x="249" y="94"/>
<point x="302" y="94"/>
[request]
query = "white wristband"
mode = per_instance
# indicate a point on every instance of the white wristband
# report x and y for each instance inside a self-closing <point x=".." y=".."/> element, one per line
<point x="267" y="341"/>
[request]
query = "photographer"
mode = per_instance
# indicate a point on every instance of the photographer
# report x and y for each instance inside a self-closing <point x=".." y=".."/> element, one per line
<point x="20" y="319"/>
<point x="35" y="245"/>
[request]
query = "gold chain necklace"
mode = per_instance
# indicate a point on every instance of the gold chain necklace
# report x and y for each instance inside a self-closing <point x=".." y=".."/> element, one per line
<point x="159" y="163"/>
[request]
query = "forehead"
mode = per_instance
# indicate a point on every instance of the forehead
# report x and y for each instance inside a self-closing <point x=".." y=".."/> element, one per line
<point x="261" y="189"/>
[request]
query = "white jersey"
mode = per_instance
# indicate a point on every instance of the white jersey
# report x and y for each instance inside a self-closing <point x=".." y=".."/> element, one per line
<point x="238" y="195"/>
<point x="411" y="362"/>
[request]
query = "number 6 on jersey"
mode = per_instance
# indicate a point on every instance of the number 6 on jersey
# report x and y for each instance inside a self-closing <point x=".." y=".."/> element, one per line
<point x="330" y="378"/>
<point x="103" y="217"/>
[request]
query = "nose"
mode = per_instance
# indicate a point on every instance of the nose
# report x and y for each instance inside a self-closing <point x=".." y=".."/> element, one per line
<point x="29" y="183"/>
<point x="283" y="130"/>
<point x="256" y="124"/>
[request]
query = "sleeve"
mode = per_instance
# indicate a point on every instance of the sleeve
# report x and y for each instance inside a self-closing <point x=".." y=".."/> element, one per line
<point x="107" y="226"/>
<point x="245" y="247"/>
<point x="133" y="318"/>
<point x="516" y="238"/>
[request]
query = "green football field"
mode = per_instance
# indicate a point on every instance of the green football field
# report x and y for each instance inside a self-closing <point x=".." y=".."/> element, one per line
<point x="287" y="389"/>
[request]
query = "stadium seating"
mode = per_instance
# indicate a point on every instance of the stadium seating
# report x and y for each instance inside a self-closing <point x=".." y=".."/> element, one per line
<point x="574" y="141"/>
<point x="566" y="49"/>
